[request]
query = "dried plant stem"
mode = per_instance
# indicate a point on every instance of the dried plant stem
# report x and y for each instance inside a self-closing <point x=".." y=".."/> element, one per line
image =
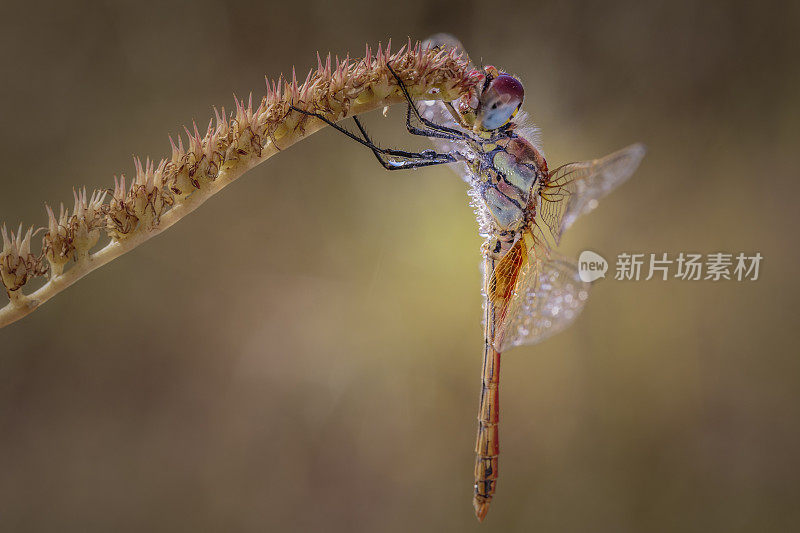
<point x="23" y="305"/>
<point x="161" y="195"/>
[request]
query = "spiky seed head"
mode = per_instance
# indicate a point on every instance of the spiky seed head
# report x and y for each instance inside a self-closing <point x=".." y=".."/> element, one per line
<point x="336" y="89"/>
<point x="17" y="263"/>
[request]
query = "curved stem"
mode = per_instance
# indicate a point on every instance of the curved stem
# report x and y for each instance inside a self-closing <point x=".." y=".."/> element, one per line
<point x="22" y="305"/>
<point x="210" y="163"/>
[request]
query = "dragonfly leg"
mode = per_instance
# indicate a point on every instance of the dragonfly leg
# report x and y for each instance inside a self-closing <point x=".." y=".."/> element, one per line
<point x="413" y="130"/>
<point x="411" y="159"/>
<point x="390" y="164"/>
<point x="430" y="124"/>
<point x="332" y="124"/>
<point x="431" y="157"/>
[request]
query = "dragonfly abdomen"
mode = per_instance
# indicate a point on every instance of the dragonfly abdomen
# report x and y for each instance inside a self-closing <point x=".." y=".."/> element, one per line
<point x="489" y="410"/>
<point x="487" y="446"/>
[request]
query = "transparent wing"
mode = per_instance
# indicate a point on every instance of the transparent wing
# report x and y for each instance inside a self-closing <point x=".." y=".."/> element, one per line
<point x="537" y="293"/>
<point x="549" y="299"/>
<point x="574" y="189"/>
<point x="436" y="111"/>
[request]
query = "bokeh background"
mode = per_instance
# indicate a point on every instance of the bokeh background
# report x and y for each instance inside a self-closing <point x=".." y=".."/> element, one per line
<point x="302" y="353"/>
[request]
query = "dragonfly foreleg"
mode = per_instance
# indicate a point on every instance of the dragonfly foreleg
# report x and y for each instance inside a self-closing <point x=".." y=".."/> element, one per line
<point x="413" y="130"/>
<point x="425" y="158"/>
<point x="412" y="158"/>
<point x="429" y="123"/>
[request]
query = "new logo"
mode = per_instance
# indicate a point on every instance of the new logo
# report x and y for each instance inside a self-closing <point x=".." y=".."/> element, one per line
<point x="591" y="266"/>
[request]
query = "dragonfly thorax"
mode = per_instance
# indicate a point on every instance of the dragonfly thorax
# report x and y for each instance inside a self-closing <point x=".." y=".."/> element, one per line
<point x="507" y="179"/>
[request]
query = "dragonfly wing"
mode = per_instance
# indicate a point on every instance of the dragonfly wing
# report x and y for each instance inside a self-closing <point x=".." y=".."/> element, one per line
<point x="501" y="282"/>
<point x="548" y="303"/>
<point x="538" y="294"/>
<point x="574" y="189"/>
<point x="437" y="112"/>
<point x="446" y="41"/>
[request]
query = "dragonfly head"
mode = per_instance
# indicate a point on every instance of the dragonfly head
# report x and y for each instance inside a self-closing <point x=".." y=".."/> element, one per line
<point x="499" y="100"/>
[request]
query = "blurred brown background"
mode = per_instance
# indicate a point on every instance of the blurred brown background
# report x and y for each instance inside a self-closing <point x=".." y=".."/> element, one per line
<point x="303" y="352"/>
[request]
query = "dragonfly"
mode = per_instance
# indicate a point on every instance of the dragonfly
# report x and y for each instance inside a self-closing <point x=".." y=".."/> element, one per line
<point x="530" y="292"/>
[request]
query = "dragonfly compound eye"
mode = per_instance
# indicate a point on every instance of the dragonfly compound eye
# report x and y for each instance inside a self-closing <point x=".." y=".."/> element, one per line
<point x="501" y="99"/>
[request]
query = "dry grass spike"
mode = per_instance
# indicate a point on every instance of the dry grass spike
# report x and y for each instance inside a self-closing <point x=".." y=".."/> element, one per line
<point x="160" y="194"/>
